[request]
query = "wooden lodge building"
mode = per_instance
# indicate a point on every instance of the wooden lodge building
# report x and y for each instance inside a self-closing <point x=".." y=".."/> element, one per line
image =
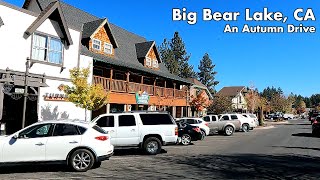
<point x="127" y="65"/>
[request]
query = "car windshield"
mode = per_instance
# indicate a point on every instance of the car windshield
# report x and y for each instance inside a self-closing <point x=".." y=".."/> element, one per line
<point x="253" y="116"/>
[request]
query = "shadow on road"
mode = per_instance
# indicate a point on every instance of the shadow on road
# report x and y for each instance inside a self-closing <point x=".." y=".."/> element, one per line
<point x="31" y="168"/>
<point x="288" y="147"/>
<point x="303" y="135"/>
<point x="297" y="124"/>
<point x="250" y="166"/>
<point x="132" y="151"/>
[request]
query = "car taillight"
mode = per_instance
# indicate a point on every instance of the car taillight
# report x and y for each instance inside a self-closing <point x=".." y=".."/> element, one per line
<point x="196" y="129"/>
<point x="102" y="138"/>
<point x="207" y="124"/>
<point x="315" y="122"/>
<point x="176" y="131"/>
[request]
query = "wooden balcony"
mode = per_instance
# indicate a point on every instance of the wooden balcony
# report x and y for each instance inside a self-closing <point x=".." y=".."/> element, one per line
<point x="122" y="86"/>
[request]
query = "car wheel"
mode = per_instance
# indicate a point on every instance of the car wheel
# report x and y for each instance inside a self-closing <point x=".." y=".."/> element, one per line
<point x="245" y="128"/>
<point x="203" y="134"/>
<point x="152" y="146"/>
<point x="81" y="160"/>
<point x="185" y="139"/>
<point x="228" y="131"/>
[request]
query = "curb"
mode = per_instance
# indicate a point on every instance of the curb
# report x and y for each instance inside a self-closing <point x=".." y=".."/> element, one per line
<point x="267" y="127"/>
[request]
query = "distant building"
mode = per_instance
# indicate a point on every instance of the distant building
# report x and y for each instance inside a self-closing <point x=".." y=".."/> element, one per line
<point x="197" y="88"/>
<point x="236" y="93"/>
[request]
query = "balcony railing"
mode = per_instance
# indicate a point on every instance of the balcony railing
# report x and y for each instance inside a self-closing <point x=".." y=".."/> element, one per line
<point x="132" y="87"/>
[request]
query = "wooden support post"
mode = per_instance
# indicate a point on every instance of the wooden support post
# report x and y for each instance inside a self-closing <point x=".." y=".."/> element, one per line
<point x="154" y="87"/>
<point x="165" y="88"/>
<point x="128" y="80"/>
<point x="174" y="90"/>
<point x="111" y="76"/>
<point x="141" y="82"/>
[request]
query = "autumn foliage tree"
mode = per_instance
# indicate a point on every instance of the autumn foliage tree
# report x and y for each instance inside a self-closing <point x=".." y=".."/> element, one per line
<point x="252" y="99"/>
<point x="220" y="104"/>
<point x="200" y="102"/>
<point x="85" y="95"/>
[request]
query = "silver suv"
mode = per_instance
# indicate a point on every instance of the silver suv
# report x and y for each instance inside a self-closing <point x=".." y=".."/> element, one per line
<point x="222" y="124"/>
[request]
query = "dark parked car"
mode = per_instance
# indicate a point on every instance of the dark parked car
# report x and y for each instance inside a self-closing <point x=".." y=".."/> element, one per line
<point x="188" y="133"/>
<point x="313" y="116"/>
<point x="316" y="127"/>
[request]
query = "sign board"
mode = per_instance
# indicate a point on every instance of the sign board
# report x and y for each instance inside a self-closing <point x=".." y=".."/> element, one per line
<point x="19" y="90"/>
<point x="142" y="98"/>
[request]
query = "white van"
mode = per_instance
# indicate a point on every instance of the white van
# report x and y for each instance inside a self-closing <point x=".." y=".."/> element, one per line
<point x="147" y="130"/>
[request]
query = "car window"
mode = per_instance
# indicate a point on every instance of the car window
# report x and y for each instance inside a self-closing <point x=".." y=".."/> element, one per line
<point x="206" y="118"/>
<point x="234" y="117"/>
<point x="253" y="116"/>
<point x="41" y="130"/>
<point x="191" y="121"/>
<point x="99" y="129"/>
<point x="81" y="129"/>
<point x="106" y="121"/>
<point x="157" y="119"/>
<point x="126" y="120"/>
<point x="214" y="118"/>
<point x="65" y="130"/>
<point x="244" y="115"/>
<point x="225" y="118"/>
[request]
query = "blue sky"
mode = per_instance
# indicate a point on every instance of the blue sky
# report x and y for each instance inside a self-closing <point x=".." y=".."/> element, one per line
<point x="289" y="61"/>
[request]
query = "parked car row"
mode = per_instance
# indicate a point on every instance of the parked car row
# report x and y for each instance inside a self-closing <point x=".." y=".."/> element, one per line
<point x="83" y="145"/>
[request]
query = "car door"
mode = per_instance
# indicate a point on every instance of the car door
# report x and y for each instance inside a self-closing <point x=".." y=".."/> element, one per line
<point x="107" y="124"/>
<point x="65" y="137"/>
<point x="214" y="125"/>
<point x="223" y="120"/>
<point x="30" y="144"/>
<point x="127" y="130"/>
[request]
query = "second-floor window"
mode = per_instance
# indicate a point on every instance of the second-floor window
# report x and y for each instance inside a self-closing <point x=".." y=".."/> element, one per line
<point x="155" y="63"/>
<point x="45" y="48"/>
<point x="148" y="62"/>
<point x="107" y="48"/>
<point x="96" y="44"/>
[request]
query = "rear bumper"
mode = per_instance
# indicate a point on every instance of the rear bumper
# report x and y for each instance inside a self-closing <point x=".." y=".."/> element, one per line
<point x="104" y="157"/>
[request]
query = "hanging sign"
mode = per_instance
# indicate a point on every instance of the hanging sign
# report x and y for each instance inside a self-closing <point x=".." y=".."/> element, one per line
<point x="142" y="98"/>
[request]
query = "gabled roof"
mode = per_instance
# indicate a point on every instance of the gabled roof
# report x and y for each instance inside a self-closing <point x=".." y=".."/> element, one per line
<point x="125" y="54"/>
<point x="1" y="22"/>
<point x="92" y="27"/>
<point x="197" y="83"/>
<point x="231" y="91"/>
<point x="144" y="48"/>
<point x="52" y="11"/>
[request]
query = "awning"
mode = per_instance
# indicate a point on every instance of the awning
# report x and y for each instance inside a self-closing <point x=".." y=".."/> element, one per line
<point x="18" y="78"/>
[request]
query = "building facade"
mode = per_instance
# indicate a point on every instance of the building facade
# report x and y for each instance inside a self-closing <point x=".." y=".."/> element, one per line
<point x="237" y="96"/>
<point x="44" y="39"/>
<point x="41" y="47"/>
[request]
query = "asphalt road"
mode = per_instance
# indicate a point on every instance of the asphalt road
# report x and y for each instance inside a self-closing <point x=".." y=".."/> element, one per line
<point x="287" y="151"/>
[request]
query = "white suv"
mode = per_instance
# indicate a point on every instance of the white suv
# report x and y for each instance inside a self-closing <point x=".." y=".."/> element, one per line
<point x="147" y="130"/>
<point x="80" y="144"/>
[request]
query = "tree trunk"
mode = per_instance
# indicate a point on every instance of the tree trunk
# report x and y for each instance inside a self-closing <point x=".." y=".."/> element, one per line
<point x="85" y="114"/>
<point x="260" y="116"/>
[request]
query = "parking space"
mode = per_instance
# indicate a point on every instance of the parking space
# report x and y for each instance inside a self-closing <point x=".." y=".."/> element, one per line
<point x="262" y="153"/>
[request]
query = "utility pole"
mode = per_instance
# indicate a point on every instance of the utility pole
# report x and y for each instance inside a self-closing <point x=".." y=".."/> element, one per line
<point x="25" y="93"/>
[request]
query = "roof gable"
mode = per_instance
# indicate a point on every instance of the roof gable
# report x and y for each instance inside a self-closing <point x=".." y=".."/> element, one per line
<point x="231" y="91"/>
<point x="144" y="48"/>
<point x="1" y="22"/>
<point x="92" y="27"/>
<point x="52" y="11"/>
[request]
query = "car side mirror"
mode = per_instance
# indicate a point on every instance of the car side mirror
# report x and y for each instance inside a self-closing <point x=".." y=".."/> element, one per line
<point x="15" y="136"/>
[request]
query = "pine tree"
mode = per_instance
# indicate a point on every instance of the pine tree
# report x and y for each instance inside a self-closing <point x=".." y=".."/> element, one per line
<point x="168" y="58"/>
<point x="181" y="57"/>
<point x="207" y="74"/>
